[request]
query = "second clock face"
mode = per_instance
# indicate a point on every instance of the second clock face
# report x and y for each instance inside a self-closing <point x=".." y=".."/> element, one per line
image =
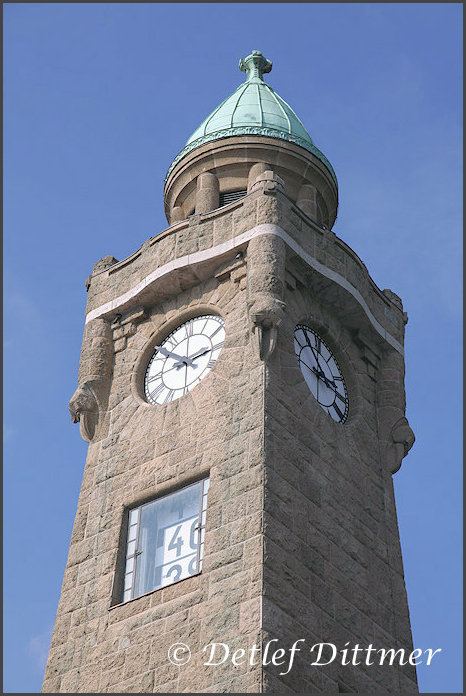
<point x="183" y="358"/>
<point x="321" y="372"/>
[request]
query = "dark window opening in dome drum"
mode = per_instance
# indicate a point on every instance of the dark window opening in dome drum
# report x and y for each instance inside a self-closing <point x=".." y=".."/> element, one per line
<point x="231" y="197"/>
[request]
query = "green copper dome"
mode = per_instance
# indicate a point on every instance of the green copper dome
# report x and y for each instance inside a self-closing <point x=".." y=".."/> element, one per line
<point x="254" y="108"/>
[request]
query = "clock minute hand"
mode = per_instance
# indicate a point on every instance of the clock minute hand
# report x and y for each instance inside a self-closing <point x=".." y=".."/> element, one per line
<point x="200" y="353"/>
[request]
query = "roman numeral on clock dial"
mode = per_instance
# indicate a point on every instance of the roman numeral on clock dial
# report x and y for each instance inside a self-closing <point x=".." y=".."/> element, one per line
<point x="157" y="391"/>
<point x="219" y="328"/>
<point x="169" y="396"/>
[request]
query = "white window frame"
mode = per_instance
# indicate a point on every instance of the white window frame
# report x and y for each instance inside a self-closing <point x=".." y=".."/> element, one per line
<point x="133" y="551"/>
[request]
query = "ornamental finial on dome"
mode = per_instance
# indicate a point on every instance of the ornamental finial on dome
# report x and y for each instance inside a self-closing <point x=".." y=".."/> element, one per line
<point x="255" y="65"/>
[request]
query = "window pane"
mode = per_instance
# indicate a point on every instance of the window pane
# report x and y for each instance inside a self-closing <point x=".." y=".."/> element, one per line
<point x="133" y="516"/>
<point x="168" y="539"/>
<point x="132" y="532"/>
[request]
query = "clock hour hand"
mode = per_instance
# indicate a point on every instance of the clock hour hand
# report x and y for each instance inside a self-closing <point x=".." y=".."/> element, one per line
<point x="320" y="375"/>
<point x="199" y="354"/>
<point x="184" y="360"/>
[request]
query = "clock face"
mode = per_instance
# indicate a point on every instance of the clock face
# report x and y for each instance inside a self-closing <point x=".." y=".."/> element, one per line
<point x="321" y="372"/>
<point x="184" y="358"/>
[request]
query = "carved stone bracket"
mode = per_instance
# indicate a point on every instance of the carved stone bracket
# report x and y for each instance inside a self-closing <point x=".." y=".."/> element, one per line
<point x="402" y="439"/>
<point x="84" y="409"/>
<point x="266" y="284"/>
<point x="396" y="436"/>
<point x="89" y="402"/>
<point x="265" y="317"/>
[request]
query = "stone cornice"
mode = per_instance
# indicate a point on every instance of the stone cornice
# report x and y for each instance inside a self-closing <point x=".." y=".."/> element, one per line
<point x="253" y="130"/>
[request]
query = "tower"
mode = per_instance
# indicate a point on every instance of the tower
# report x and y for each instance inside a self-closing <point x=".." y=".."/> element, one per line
<point x="241" y="386"/>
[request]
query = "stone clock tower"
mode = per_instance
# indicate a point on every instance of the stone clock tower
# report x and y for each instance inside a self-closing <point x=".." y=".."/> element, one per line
<point x="241" y="387"/>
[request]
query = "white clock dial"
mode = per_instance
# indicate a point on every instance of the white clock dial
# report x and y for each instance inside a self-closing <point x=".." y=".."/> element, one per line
<point x="321" y="372"/>
<point x="184" y="358"/>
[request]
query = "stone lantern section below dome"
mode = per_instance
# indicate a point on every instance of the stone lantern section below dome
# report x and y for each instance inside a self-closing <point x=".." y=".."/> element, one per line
<point x="252" y="131"/>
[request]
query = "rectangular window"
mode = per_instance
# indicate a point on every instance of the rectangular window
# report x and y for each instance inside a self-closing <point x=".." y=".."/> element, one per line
<point x="165" y="540"/>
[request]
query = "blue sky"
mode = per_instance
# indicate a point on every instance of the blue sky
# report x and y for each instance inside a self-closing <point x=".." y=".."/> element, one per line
<point x="99" y="98"/>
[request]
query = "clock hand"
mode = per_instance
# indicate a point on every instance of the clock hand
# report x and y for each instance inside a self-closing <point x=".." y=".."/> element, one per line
<point x="183" y="358"/>
<point x="176" y="367"/>
<point x="199" y="354"/>
<point x="328" y="382"/>
<point x="316" y="356"/>
<point x="320" y="375"/>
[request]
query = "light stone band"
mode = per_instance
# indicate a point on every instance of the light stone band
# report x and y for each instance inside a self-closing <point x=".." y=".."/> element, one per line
<point x="230" y="245"/>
